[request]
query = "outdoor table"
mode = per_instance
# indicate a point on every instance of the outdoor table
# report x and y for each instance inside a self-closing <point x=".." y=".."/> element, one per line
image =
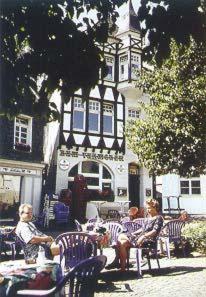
<point x="16" y="275"/>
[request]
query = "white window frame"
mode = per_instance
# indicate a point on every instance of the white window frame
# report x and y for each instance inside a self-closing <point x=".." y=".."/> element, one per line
<point x="108" y="111"/>
<point x="133" y="113"/>
<point x="110" y="62"/>
<point x="94" y="107"/>
<point x="135" y="60"/>
<point x="79" y="105"/>
<point x="190" y="186"/>
<point x="96" y="175"/>
<point x="21" y="125"/>
<point x="123" y="62"/>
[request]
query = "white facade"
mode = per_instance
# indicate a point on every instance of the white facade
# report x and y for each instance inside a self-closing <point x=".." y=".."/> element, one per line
<point x="192" y="191"/>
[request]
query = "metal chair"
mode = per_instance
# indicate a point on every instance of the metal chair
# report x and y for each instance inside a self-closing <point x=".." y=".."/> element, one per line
<point x="171" y="232"/>
<point x="80" y="281"/>
<point x="61" y="213"/>
<point x="75" y="247"/>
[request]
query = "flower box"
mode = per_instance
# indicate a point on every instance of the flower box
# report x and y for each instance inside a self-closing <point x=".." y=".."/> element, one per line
<point x="22" y="147"/>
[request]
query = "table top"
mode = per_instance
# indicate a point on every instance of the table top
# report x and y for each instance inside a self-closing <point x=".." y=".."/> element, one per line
<point x="18" y="273"/>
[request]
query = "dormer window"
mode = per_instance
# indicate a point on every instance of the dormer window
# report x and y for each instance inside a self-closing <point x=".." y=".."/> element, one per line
<point x="110" y="65"/>
<point x="123" y="67"/>
<point x="135" y="65"/>
<point x="23" y="133"/>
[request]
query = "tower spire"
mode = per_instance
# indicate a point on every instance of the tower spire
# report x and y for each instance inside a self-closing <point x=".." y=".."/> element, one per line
<point x="128" y="19"/>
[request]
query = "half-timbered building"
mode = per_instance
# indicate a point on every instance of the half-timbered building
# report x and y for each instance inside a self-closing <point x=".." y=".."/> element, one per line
<point x="91" y="139"/>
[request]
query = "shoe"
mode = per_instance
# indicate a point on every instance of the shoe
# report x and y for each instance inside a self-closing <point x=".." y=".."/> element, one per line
<point x="113" y="265"/>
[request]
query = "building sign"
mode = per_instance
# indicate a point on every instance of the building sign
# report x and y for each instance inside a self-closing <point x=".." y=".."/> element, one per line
<point x="11" y="170"/>
<point x="93" y="156"/>
<point x="122" y="192"/>
<point x="64" y="164"/>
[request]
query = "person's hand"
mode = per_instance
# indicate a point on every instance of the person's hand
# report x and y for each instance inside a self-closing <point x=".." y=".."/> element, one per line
<point x="140" y="240"/>
<point x="50" y="239"/>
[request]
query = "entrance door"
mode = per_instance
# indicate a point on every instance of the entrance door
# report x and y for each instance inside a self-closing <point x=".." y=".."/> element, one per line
<point x="134" y="188"/>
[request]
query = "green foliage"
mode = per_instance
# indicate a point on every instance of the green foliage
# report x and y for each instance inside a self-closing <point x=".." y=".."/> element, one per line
<point x="41" y="39"/>
<point x="164" y="20"/>
<point x="195" y="233"/>
<point x="172" y="137"/>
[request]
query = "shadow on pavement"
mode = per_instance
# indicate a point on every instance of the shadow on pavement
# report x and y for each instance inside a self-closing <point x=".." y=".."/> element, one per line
<point x="116" y="281"/>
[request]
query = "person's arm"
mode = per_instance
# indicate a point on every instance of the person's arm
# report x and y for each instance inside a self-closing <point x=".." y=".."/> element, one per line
<point x="146" y="235"/>
<point x="39" y="239"/>
<point x="137" y="232"/>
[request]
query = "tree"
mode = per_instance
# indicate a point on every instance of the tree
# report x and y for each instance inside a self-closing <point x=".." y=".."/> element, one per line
<point x="164" y="20"/>
<point x="43" y="41"/>
<point x="172" y="137"/>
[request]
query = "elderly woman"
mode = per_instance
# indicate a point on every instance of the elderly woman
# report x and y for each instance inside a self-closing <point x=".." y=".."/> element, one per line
<point x="145" y="236"/>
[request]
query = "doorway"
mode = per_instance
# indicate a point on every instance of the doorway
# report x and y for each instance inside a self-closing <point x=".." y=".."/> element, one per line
<point x="134" y="185"/>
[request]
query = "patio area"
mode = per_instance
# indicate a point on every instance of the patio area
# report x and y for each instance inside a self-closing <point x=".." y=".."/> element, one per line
<point x="177" y="277"/>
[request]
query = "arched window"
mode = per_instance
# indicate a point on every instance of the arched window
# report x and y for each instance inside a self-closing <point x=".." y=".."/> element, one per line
<point x="99" y="178"/>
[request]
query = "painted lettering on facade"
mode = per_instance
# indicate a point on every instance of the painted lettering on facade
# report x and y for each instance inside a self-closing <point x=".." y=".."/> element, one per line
<point x="93" y="156"/>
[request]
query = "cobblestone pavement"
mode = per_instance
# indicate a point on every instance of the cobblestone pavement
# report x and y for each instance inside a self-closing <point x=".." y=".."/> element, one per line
<point x="177" y="277"/>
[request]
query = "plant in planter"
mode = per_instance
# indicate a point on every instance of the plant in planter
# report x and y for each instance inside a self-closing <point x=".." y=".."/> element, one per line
<point x="22" y="147"/>
<point x="108" y="195"/>
<point x="195" y="234"/>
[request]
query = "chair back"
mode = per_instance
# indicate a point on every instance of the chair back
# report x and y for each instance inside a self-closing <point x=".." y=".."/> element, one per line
<point x="131" y="226"/>
<point x="173" y="229"/>
<point x="80" y="281"/>
<point x="61" y="212"/>
<point x="75" y="247"/>
<point x="140" y="221"/>
<point x="114" y="229"/>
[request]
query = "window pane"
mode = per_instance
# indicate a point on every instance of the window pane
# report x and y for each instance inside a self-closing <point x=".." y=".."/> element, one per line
<point x="106" y="173"/>
<point x="78" y="120"/>
<point x="184" y="184"/>
<point x="73" y="171"/>
<point x="195" y="183"/>
<point x="196" y="191"/>
<point x="90" y="167"/>
<point x="92" y="181"/>
<point x="110" y="71"/>
<point x="107" y="124"/>
<point x="93" y="121"/>
<point x="184" y="190"/>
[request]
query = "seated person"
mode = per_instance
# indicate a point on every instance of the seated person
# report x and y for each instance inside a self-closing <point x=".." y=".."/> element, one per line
<point x="184" y="216"/>
<point x="145" y="236"/>
<point x="29" y="234"/>
<point x="132" y="215"/>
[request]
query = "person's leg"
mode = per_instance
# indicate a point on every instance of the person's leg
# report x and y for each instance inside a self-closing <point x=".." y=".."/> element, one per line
<point x="123" y="244"/>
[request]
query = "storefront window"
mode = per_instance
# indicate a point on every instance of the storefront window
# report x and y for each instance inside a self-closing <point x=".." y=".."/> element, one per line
<point x="9" y="195"/>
